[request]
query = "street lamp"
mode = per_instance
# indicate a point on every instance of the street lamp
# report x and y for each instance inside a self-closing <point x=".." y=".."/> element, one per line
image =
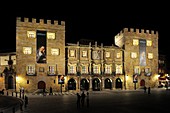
<point x="125" y="81"/>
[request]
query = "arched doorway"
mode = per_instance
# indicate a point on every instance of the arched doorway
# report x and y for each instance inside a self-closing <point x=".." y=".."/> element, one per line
<point x="41" y="85"/>
<point x="10" y="82"/>
<point x="108" y="83"/>
<point x="96" y="84"/>
<point x="118" y="83"/>
<point x="142" y="83"/>
<point x="84" y="84"/>
<point x="71" y="84"/>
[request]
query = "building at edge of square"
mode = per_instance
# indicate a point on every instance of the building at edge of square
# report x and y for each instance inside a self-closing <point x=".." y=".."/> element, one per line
<point x="131" y="62"/>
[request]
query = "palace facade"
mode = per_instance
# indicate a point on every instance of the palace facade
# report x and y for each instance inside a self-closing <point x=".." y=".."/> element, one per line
<point x="43" y="59"/>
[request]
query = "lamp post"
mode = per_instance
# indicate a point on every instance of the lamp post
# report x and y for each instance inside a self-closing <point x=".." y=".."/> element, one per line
<point x="124" y="81"/>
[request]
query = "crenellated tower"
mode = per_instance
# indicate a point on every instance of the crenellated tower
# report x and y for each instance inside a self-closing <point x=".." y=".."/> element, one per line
<point x="39" y="71"/>
<point x="140" y="56"/>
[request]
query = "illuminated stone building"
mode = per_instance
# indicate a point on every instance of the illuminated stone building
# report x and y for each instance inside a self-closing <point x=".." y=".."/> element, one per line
<point x="93" y="67"/>
<point x="34" y="72"/>
<point x="131" y="62"/>
<point x="140" y="57"/>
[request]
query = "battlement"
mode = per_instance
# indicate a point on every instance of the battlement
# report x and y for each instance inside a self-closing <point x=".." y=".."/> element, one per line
<point x="138" y="31"/>
<point x="40" y="21"/>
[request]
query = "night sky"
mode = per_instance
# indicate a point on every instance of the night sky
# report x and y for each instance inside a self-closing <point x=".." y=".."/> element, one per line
<point x="92" y="22"/>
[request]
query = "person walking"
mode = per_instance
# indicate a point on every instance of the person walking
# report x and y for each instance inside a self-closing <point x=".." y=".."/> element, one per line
<point x="78" y="100"/>
<point x="87" y="99"/>
<point x="83" y="98"/>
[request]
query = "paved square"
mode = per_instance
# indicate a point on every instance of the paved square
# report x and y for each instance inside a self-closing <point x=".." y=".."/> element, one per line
<point x="102" y="102"/>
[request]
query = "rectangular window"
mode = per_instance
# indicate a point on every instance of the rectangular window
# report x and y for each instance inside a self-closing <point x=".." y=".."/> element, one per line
<point x="51" y="70"/>
<point x="149" y="43"/>
<point x="96" y="69"/>
<point x="83" y="71"/>
<point x="107" y="54"/>
<point x="150" y="55"/>
<point x="72" y="69"/>
<point x="84" y="53"/>
<point x="72" y="53"/>
<point x="50" y="35"/>
<point x="30" y="70"/>
<point x="135" y="42"/>
<point x="31" y="34"/>
<point x="27" y="50"/>
<point x="55" y="51"/>
<point x="136" y="70"/>
<point x="118" y="69"/>
<point x="108" y="69"/>
<point x="118" y="55"/>
<point x="133" y="55"/>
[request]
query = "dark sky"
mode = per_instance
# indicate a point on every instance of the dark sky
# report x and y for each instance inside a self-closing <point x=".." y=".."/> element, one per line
<point x="92" y="22"/>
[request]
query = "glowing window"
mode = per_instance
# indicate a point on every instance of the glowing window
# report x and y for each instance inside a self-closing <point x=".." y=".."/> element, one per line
<point x="84" y="69"/>
<point x="30" y="69"/>
<point x="31" y="34"/>
<point x="107" y="54"/>
<point x="135" y="42"/>
<point x="149" y="43"/>
<point x="118" y="69"/>
<point x="50" y="35"/>
<point x="118" y="55"/>
<point x="72" y="69"/>
<point x="136" y="70"/>
<point x="133" y="55"/>
<point x="96" y="69"/>
<point x="84" y="53"/>
<point x="55" y="51"/>
<point x="150" y="55"/>
<point x="108" y="69"/>
<point x="51" y="70"/>
<point x="27" y="50"/>
<point x="72" y="53"/>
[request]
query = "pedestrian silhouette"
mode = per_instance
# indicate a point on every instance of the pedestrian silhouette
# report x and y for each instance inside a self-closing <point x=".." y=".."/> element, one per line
<point x="26" y="101"/>
<point x="82" y="98"/>
<point x="87" y="99"/>
<point x="51" y="91"/>
<point x="144" y="89"/>
<point x="78" y="100"/>
<point x="149" y="90"/>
